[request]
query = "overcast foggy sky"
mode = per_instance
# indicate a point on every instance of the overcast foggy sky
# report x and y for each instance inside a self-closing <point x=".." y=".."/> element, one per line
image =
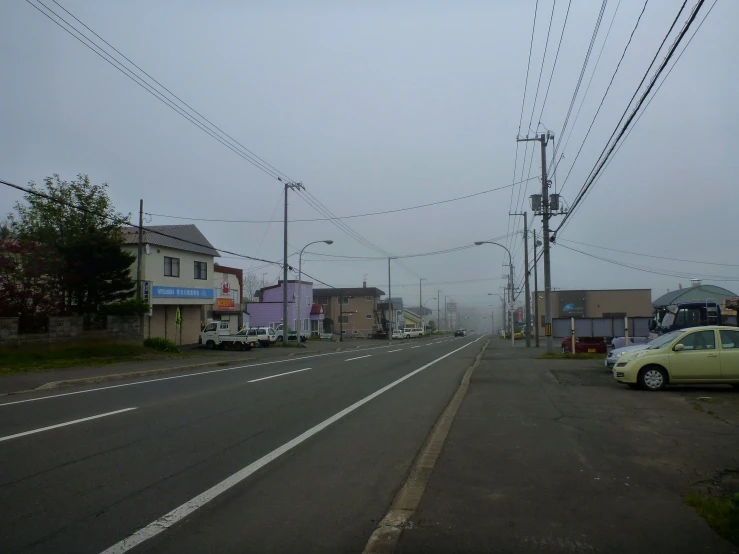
<point x="380" y="106"/>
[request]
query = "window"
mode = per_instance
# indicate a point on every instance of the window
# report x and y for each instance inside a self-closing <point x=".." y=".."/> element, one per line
<point x="209" y="328"/>
<point x="688" y="317"/>
<point x="306" y="324"/>
<point x="343" y="319"/>
<point x="308" y="302"/>
<point x="343" y="300"/>
<point x="201" y="270"/>
<point x="369" y="298"/>
<point x="700" y="340"/>
<point x="321" y="300"/>
<point x="171" y="267"/>
<point x="369" y="316"/>
<point x="729" y="339"/>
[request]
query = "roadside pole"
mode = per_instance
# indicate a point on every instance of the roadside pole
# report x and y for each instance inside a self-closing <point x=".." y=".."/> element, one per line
<point x="390" y="310"/>
<point x="527" y="288"/>
<point x="438" y="311"/>
<point x="536" y="293"/>
<point x="140" y="250"/>
<point x="288" y="186"/>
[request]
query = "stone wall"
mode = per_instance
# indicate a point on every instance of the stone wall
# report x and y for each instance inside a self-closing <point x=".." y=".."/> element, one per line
<point x="70" y="329"/>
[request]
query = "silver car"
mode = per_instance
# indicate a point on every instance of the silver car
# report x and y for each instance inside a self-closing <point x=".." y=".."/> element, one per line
<point x="616" y="353"/>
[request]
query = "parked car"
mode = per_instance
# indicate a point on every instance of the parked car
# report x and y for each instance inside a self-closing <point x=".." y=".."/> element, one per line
<point x="398" y="334"/>
<point x="265" y="335"/>
<point x="292" y="334"/>
<point x="412" y="332"/>
<point x="460" y="333"/>
<point x="616" y="354"/>
<point x="589" y="345"/>
<point x="620" y="342"/>
<point x="698" y="355"/>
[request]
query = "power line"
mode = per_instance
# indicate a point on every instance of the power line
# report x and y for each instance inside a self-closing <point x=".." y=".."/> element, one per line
<point x="608" y="88"/>
<point x="341" y="217"/>
<point x="647" y="255"/>
<point x="598" y="167"/>
<point x="651" y="270"/>
<point x="556" y="56"/>
<point x="520" y="119"/>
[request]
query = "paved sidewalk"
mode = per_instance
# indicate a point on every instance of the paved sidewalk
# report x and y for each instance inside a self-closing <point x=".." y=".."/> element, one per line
<point x="554" y="456"/>
<point x="199" y="356"/>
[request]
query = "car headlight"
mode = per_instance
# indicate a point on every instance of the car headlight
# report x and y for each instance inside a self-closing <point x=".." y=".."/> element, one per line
<point x="620" y="354"/>
<point x="636" y="355"/>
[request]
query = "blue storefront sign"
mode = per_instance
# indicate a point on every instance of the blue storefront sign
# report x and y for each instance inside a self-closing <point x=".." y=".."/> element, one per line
<point x="181" y="292"/>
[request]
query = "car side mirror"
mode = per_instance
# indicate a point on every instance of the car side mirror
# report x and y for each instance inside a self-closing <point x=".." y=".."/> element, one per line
<point x="679" y="347"/>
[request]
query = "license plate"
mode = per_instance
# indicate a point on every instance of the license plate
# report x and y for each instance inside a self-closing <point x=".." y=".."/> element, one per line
<point x="591" y="350"/>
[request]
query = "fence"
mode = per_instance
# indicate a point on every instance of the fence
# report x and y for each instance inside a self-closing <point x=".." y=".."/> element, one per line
<point x="600" y="327"/>
<point x="69" y="329"/>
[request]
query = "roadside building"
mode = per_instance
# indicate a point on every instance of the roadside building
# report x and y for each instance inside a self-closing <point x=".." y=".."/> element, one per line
<point x="176" y="273"/>
<point x="395" y="315"/>
<point x="597" y="303"/>
<point x="228" y="302"/>
<point x="696" y="292"/>
<point x="356" y="307"/>
<point x="427" y="313"/>
<point x="268" y="311"/>
<point x="412" y="319"/>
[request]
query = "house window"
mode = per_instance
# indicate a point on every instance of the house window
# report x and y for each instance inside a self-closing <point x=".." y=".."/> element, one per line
<point x="343" y="300"/>
<point x="343" y="319"/>
<point x="171" y="267"/>
<point x="321" y="300"/>
<point x="308" y="303"/>
<point x="369" y="298"/>
<point x="201" y="270"/>
<point x="369" y="316"/>
<point x="306" y="324"/>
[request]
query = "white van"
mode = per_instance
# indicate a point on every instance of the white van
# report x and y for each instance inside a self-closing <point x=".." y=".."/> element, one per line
<point x="265" y="335"/>
<point x="413" y="332"/>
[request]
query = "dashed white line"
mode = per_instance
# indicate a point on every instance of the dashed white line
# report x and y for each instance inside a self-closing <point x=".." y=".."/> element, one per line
<point x="63" y="424"/>
<point x="278" y="375"/>
<point x="358" y="358"/>
<point x="416" y="346"/>
<point x="391" y="351"/>
<point x="184" y="510"/>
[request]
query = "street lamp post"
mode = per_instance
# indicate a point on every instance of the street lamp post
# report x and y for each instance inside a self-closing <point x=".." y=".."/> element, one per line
<point x="510" y="280"/>
<point x="300" y="287"/>
<point x="420" y="299"/>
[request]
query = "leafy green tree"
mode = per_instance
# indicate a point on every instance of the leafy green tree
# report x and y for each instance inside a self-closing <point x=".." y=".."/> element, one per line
<point x="78" y="223"/>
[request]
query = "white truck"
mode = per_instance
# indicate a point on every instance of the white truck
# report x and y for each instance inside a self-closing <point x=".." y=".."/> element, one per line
<point x="217" y="334"/>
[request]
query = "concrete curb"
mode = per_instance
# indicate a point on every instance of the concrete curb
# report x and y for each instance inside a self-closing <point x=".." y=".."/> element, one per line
<point x="384" y="539"/>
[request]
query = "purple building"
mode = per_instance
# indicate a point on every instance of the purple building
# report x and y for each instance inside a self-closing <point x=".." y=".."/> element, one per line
<point x="268" y="311"/>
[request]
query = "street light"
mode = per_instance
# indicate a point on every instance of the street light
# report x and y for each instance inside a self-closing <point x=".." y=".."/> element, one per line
<point x="300" y="287"/>
<point x="510" y="279"/>
<point x="420" y="298"/>
<point x="422" y="308"/>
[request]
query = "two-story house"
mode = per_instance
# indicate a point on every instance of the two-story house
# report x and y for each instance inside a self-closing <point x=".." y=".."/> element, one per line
<point x="176" y="274"/>
<point x="228" y="302"/>
<point x="268" y="311"/>
<point x="354" y="308"/>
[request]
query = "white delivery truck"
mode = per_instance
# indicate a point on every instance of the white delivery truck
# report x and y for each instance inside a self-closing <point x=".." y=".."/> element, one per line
<point x="217" y="334"/>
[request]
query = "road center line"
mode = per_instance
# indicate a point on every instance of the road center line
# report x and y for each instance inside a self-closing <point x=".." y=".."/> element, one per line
<point x="278" y="375"/>
<point x="184" y="510"/>
<point x="358" y="358"/>
<point x="416" y="346"/>
<point x="63" y="424"/>
<point x="391" y="351"/>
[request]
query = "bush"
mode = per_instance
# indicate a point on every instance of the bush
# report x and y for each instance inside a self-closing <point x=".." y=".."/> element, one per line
<point x="159" y="343"/>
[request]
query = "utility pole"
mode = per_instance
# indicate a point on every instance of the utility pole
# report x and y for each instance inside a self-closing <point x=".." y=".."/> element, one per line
<point x="526" y="276"/>
<point x="341" y="315"/>
<point x="446" y="318"/>
<point x="420" y="300"/>
<point x="140" y="250"/>
<point x="288" y="186"/>
<point x="536" y="292"/>
<point x="543" y="139"/>
<point x="390" y="310"/>
<point x="438" y="311"/>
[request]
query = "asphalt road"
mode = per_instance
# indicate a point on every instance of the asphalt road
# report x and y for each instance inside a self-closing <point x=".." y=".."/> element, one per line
<point x="296" y="455"/>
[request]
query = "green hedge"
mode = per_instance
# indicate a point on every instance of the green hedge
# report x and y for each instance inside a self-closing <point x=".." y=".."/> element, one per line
<point x="158" y="343"/>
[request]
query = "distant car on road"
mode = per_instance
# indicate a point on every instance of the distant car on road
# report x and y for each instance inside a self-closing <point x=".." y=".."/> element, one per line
<point x="398" y="334"/>
<point x="698" y="355"/>
<point x="460" y="333"/>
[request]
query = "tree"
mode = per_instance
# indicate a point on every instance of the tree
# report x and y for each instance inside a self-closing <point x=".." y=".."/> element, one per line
<point x="76" y="222"/>
<point x="24" y="279"/>
<point x="432" y="325"/>
<point x="251" y="285"/>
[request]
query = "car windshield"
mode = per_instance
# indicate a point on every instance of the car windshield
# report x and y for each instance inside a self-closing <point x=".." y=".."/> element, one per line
<point x="664" y="340"/>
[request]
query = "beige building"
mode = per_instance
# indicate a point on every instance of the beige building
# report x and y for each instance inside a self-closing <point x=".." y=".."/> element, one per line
<point x="358" y="313"/>
<point x="176" y="274"/>
<point x="597" y="303"/>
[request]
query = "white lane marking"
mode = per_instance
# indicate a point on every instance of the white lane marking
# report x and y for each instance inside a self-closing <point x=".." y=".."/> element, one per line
<point x="415" y="347"/>
<point x="63" y="424"/>
<point x="391" y="351"/>
<point x="179" y="377"/>
<point x="184" y="510"/>
<point x="358" y="358"/>
<point x="278" y="375"/>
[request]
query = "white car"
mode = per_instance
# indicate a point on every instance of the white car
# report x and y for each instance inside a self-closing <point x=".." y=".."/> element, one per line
<point x="412" y="332"/>
<point x="265" y="335"/>
<point x="398" y="334"/>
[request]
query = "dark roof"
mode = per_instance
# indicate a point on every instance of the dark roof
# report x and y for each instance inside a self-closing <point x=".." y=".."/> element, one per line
<point x="397" y="303"/>
<point x="415" y="310"/>
<point x="316" y="309"/>
<point x="180" y="237"/>
<point x="358" y="291"/>
<point x="688" y="294"/>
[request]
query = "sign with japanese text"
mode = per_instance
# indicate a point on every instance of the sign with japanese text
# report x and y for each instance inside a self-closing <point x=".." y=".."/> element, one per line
<point x="181" y="292"/>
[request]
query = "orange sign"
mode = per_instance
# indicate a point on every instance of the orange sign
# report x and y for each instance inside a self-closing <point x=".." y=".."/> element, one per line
<point x="225" y="303"/>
